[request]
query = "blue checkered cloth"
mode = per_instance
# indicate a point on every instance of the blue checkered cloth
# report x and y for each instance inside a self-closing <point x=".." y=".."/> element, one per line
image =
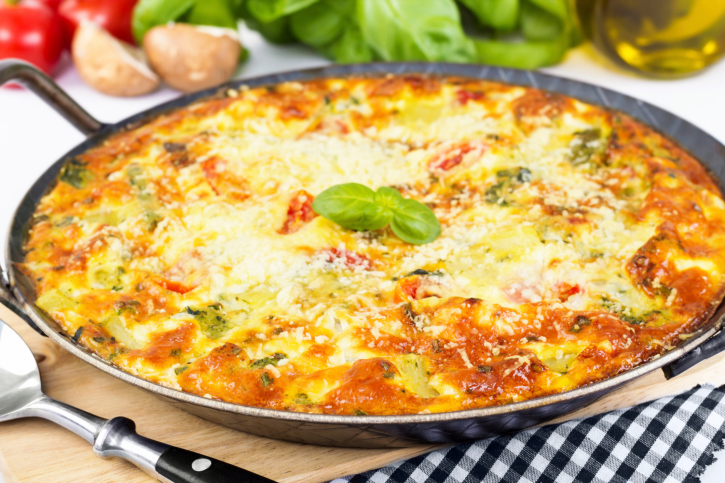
<point x="670" y="440"/>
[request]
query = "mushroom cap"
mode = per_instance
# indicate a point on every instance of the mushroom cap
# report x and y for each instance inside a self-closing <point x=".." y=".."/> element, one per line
<point x="110" y="65"/>
<point x="191" y="58"/>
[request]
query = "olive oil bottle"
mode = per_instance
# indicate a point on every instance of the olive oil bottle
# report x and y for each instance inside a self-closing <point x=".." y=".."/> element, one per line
<point x="662" y="38"/>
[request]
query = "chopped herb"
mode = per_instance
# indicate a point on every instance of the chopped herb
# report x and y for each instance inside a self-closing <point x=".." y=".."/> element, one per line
<point x="65" y="222"/>
<point x="76" y="174"/>
<point x="152" y="220"/>
<point x="180" y="369"/>
<point x="211" y="320"/>
<point x="261" y="363"/>
<point x="388" y="375"/>
<point x="359" y="412"/>
<point x="583" y="320"/>
<point x="587" y="146"/>
<point x="236" y="350"/>
<point x="303" y="399"/>
<point x="99" y="339"/>
<point x="175" y="352"/>
<point x="632" y="319"/>
<point x="266" y="380"/>
<point x="385" y="365"/>
<point x="485" y="369"/>
<point x="77" y="335"/>
<point x="418" y="271"/>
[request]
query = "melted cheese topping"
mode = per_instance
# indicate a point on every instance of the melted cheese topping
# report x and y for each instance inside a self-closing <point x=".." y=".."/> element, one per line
<point x="576" y="243"/>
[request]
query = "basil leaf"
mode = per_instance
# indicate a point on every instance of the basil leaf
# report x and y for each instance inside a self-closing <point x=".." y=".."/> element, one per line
<point x="415" y="30"/>
<point x="147" y="14"/>
<point x="350" y="48"/>
<point x="277" y="31"/>
<point x="217" y="13"/>
<point x="270" y="10"/>
<point x="415" y="223"/>
<point x="331" y="27"/>
<point x="317" y="25"/>
<point x="357" y="207"/>
<point x="388" y="197"/>
<point x="352" y="206"/>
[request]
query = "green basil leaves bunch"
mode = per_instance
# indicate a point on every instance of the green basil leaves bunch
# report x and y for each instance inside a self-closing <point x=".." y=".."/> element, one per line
<point x="357" y="207"/>
<point x="514" y="33"/>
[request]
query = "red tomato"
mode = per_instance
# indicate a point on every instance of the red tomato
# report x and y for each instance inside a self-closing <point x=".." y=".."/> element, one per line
<point x="112" y="15"/>
<point x="32" y="32"/>
<point x="52" y="4"/>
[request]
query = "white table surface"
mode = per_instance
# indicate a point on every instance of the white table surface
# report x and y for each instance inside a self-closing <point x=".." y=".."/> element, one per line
<point x="33" y="136"/>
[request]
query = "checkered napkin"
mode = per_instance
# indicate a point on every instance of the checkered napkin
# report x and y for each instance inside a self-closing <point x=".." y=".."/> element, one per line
<point x="669" y="440"/>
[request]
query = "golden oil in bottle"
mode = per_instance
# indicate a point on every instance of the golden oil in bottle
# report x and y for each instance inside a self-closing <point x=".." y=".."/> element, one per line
<point x="663" y="38"/>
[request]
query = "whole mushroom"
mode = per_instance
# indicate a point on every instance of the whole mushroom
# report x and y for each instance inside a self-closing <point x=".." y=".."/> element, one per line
<point x="110" y="65"/>
<point x="190" y="58"/>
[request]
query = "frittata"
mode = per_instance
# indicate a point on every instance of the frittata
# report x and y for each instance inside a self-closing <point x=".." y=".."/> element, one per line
<point x="576" y="243"/>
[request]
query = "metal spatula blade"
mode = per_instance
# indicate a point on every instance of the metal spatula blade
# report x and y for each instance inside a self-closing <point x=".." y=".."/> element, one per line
<point x="21" y="396"/>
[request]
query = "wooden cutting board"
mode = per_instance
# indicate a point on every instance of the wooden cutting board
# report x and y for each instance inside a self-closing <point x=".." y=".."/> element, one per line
<point x="33" y="450"/>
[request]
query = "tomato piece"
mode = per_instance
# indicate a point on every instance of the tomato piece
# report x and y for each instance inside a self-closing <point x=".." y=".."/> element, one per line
<point x="453" y="156"/>
<point x="32" y="32"/>
<point x="350" y="259"/>
<point x="299" y="212"/>
<point x="463" y="96"/>
<point x="565" y="290"/>
<point x="114" y="16"/>
<point x="415" y="287"/>
<point x="51" y="4"/>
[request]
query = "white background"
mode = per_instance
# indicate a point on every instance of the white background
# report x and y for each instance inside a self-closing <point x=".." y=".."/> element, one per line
<point x="33" y="136"/>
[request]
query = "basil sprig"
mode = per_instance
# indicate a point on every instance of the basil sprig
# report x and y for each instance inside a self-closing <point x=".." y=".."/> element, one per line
<point x="357" y="207"/>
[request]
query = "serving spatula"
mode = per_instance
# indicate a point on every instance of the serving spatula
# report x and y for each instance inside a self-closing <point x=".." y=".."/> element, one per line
<point x="21" y="397"/>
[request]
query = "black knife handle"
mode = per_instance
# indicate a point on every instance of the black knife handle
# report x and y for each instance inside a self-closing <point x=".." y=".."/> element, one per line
<point x="183" y="466"/>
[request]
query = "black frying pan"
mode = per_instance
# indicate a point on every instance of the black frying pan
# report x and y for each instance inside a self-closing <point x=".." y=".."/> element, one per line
<point x="356" y="431"/>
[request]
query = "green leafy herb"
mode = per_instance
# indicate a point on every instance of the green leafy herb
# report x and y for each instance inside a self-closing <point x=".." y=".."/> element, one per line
<point x="261" y="363"/>
<point x="271" y="10"/>
<point x="587" y="146"/>
<point x="211" y="320"/>
<point x="303" y="399"/>
<point x="180" y="369"/>
<point x="76" y="174"/>
<point x="359" y="412"/>
<point x="149" y="13"/>
<point x="357" y="207"/>
<point x="485" y="369"/>
<point x="331" y="26"/>
<point x="407" y="30"/>
<point x="266" y="380"/>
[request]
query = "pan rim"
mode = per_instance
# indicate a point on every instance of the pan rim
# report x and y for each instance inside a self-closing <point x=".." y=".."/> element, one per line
<point x="473" y="71"/>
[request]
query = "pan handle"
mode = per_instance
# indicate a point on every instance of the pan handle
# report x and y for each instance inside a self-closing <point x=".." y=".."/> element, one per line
<point x="8" y="300"/>
<point x="13" y="70"/>
<point x="711" y="347"/>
